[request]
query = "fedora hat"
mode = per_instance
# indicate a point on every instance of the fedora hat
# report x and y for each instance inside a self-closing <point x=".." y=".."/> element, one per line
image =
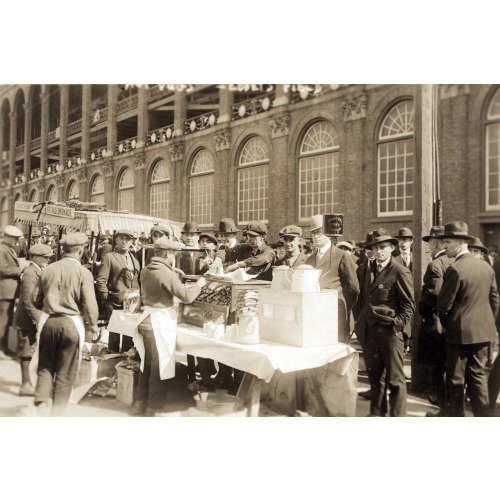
<point x="190" y="227"/>
<point x="317" y="222"/>
<point x="435" y="232"/>
<point x="405" y="232"/>
<point x="381" y="235"/>
<point x="477" y="243"/>
<point x="456" y="229"/>
<point x="227" y="226"/>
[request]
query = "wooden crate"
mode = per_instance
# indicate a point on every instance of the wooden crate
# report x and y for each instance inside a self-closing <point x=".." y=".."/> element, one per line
<point x="126" y="387"/>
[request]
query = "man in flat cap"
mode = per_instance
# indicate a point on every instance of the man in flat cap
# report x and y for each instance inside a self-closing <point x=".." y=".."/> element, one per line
<point x="156" y="232"/>
<point x="29" y="311"/>
<point x="339" y="273"/>
<point x="291" y="235"/>
<point x="431" y="345"/>
<point x="119" y="272"/>
<point x="467" y="306"/>
<point x="69" y="305"/>
<point x="10" y="272"/>
<point x="386" y="307"/>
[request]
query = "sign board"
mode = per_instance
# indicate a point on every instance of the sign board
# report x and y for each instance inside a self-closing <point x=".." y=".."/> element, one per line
<point x="334" y="224"/>
<point x="57" y="210"/>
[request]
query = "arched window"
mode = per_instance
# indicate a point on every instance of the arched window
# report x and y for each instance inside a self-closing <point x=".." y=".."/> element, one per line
<point x="33" y="198"/>
<point x="253" y="181"/>
<point x="493" y="154"/>
<point x="126" y="191"/>
<point x="97" y="189"/>
<point x="52" y="193"/>
<point x="318" y="171"/>
<point x="73" y="191"/>
<point x="5" y="212"/>
<point x="201" y="188"/>
<point x="395" y="161"/>
<point x="160" y="189"/>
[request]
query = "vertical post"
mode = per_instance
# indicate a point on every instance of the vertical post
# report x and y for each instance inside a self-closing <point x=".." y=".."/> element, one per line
<point x="225" y="104"/>
<point x="27" y="140"/>
<point x="12" y="146"/>
<point x="44" y="97"/>
<point x="112" y="125"/>
<point x="86" y="109"/>
<point x="142" y="116"/>
<point x="180" y="112"/>
<point x="63" y="121"/>
<point x="423" y="210"/>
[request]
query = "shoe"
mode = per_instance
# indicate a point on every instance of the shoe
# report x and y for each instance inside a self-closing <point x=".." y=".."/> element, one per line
<point x="365" y="394"/>
<point x="27" y="390"/>
<point x="438" y="414"/>
<point x="42" y="409"/>
<point x="433" y="400"/>
<point x="193" y="386"/>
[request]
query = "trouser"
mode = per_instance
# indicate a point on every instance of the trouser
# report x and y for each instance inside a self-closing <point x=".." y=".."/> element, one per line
<point x="384" y="350"/>
<point x="151" y="390"/>
<point x="114" y="338"/>
<point x="494" y="382"/>
<point x="465" y="364"/>
<point x="6" y="320"/>
<point x="57" y="363"/>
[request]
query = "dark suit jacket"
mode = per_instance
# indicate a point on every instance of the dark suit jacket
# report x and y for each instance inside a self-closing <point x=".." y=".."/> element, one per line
<point x="399" y="258"/>
<point x="27" y="315"/>
<point x="468" y="301"/>
<point x="392" y="290"/>
<point x="114" y="279"/>
<point x="261" y="263"/>
<point x="301" y="260"/>
<point x="10" y="271"/>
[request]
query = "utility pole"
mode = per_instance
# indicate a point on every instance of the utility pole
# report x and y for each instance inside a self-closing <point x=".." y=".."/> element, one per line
<point x="424" y="211"/>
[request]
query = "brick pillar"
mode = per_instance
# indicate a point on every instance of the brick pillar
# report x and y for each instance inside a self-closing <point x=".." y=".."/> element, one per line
<point x="282" y="96"/>
<point x="61" y="187"/>
<point x="63" y="121"/>
<point x="139" y="186"/>
<point x="12" y="146"/>
<point x="179" y="188"/>
<point x="109" y="191"/>
<point x="112" y="125"/>
<point x="44" y="98"/>
<point x="225" y="104"/>
<point x="224" y="196"/>
<point x="86" y="110"/>
<point x="142" y="117"/>
<point x="1" y="149"/>
<point x="83" y="185"/>
<point x="180" y="112"/>
<point x="27" y="140"/>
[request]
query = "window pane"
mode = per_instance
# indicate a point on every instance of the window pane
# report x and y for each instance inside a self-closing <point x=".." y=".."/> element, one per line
<point x="126" y="200"/>
<point x="254" y="151"/>
<point x="399" y="121"/>
<point x="319" y="137"/>
<point x="253" y="186"/>
<point x="201" y="199"/>
<point x="492" y="164"/>
<point x="158" y="200"/>
<point x="202" y="162"/>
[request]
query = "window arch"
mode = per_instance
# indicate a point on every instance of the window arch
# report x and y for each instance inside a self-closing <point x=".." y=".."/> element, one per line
<point x="493" y="154"/>
<point x="32" y="198"/>
<point x="159" y="191"/>
<point x="97" y="189"/>
<point x="126" y="190"/>
<point x="52" y="193"/>
<point x="395" y="160"/>
<point x="253" y="181"/>
<point x="201" y="188"/>
<point x="318" y="170"/>
<point x="73" y="191"/>
<point x="4" y="212"/>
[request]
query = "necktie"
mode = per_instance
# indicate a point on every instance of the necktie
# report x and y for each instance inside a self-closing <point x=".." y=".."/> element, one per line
<point x="407" y="259"/>
<point x="128" y="260"/>
<point x="379" y="269"/>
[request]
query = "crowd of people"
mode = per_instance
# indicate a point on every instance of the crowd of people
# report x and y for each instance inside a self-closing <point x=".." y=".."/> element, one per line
<point x="53" y="304"/>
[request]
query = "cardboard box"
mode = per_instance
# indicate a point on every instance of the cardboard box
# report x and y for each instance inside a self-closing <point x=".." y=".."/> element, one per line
<point x="126" y="386"/>
<point x="298" y="319"/>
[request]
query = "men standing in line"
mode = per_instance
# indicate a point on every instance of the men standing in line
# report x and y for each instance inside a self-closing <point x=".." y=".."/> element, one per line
<point x="29" y="312"/>
<point x="431" y="346"/>
<point x="10" y="271"/>
<point x="69" y="305"/>
<point x="467" y="306"/>
<point x="119" y="272"/>
<point x="339" y="273"/>
<point x="291" y="236"/>
<point x="387" y="305"/>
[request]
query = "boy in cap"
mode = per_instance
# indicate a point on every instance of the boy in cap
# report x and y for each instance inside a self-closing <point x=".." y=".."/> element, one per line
<point x="10" y="272"/>
<point x="29" y="311"/>
<point x="291" y="236"/>
<point x="156" y="232"/>
<point x="119" y="272"/>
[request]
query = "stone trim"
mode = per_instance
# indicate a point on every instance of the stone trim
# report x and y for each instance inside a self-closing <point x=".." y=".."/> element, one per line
<point x="354" y="108"/>
<point x="280" y="126"/>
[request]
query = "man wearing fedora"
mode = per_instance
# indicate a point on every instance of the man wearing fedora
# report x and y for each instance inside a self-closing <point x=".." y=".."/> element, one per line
<point x="431" y="345"/>
<point x="227" y="233"/>
<point x="190" y="234"/>
<point x="119" y="272"/>
<point x="29" y="311"/>
<point x="467" y="306"/>
<point x="387" y="305"/>
<point x="291" y="235"/>
<point x="339" y="273"/>
<point x="405" y="240"/>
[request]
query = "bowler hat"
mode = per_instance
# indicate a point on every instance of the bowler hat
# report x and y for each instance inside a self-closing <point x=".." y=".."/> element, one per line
<point x="211" y="237"/>
<point x="164" y="243"/>
<point x="190" y="227"/>
<point x="434" y="233"/>
<point x="381" y="235"/>
<point x="41" y="250"/>
<point x="256" y="228"/>
<point x="369" y="239"/>
<point x="291" y="230"/>
<point x="12" y="231"/>
<point x="344" y="244"/>
<point x="125" y="232"/>
<point x="74" y="239"/>
<point x="456" y="229"/>
<point x="227" y="226"/>
<point x="405" y="232"/>
<point x="160" y="229"/>
<point x="317" y="222"/>
<point x="477" y="243"/>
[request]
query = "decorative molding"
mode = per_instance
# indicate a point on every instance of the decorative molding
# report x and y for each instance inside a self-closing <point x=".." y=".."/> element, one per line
<point x="449" y="91"/>
<point x="176" y="151"/>
<point x="60" y="179"/>
<point x="222" y="140"/>
<point x="82" y="175"/>
<point x="108" y="170"/>
<point x="26" y="107"/>
<point x="13" y="114"/>
<point x="354" y="108"/>
<point x="24" y="192"/>
<point x="280" y="126"/>
<point x="139" y="162"/>
<point x="40" y="186"/>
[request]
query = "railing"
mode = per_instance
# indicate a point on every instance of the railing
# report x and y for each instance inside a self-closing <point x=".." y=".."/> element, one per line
<point x="157" y="92"/>
<point x="253" y="106"/>
<point x="36" y="143"/>
<point x="201" y="122"/>
<point x="126" y="145"/>
<point x="97" y="154"/>
<point x="19" y="179"/>
<point x="160" y="135"/>
<point x="20" y="150"/>
<point x="73" y="162"/>
<point x="127" y="104"/>
<point x="98" y="115"/>
<point x="54" y="135"/>
<point x="74" y="127"/>
<point x="305" y="91"/>
<point x="34" y="174"/>
<point x="52" y="168"/>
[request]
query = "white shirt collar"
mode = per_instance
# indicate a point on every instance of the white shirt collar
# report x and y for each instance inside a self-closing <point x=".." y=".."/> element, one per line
<point x="322" y="250"/>
<point x="384" y="264"/>
<point x="441" y="252"/>
<point x="461" y="253"/>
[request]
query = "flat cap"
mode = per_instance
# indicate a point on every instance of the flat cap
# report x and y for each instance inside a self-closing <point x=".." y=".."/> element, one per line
<point x="211" y="237"/>
<point x="164" y="243"/>
<point x="13" y="231"/>
<point x="125" y="232"/>
<point x="256" y="228"/>
<point x="291" y="230"/>
<point x="160" y="229"/>
<point x="41" y="250"/>
<point x="74" y="239"/>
